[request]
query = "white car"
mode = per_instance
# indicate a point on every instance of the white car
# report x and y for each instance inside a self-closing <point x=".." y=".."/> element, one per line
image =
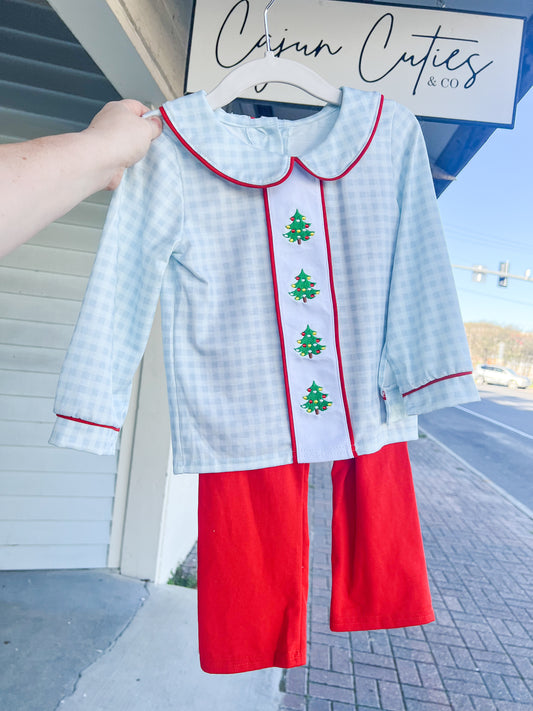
<point x="496" y="375"/>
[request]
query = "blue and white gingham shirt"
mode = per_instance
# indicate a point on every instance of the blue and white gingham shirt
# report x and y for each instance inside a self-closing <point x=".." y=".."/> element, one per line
<point x="196" y="223"/>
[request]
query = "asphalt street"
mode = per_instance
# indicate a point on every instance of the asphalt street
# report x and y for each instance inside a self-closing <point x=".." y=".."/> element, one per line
<point x="495" y="436"/>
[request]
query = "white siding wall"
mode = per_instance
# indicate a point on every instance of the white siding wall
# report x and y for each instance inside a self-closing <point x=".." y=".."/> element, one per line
<point x="55" y="504"/>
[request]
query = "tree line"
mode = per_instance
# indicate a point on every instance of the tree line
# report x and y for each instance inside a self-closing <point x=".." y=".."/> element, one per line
<point x="501" y="345"/>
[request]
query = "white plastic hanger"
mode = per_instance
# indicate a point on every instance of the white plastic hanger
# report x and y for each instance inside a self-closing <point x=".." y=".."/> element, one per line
<point x="266" y="70"/>
<point x="271" y="69"/>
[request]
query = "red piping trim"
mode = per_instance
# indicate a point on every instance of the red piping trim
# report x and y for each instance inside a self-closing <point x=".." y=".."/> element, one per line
<point x="211" y="167"/>
<point x="336" y="321"/>
<point x="437" y="380"/>
<point x="361" y="154"/>
<point x="280" y="326"/>
<point x="293" y="159"/>
<point x="85" y="422"/>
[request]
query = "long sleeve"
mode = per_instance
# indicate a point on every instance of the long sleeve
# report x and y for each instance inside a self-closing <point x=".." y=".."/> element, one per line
<point x="140" y="233"/>
<point x="425" y="363"/>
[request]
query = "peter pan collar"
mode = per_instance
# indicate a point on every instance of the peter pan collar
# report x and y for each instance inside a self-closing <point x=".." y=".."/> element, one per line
<point x="199" y="129"/>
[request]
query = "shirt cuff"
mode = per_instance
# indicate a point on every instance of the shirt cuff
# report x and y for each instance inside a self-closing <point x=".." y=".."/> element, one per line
<point x="448" y="391"/>
<point x="394" y="404"/>
<point x="86" y="436"/>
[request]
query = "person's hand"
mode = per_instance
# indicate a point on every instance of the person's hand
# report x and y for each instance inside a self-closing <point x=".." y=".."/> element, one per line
<point x="123" y="135"/>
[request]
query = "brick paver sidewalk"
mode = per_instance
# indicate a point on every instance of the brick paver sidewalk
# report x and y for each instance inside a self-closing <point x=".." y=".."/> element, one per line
<point x="478" y="655"/>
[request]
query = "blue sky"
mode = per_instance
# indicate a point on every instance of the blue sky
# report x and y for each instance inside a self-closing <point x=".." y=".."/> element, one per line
<point x="487" y="215"/>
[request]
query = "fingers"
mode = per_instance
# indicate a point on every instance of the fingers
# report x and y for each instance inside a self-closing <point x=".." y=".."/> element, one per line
<point x="138" y="108"/>
<point x="156" y="126"/>
<point x="125" y="135"/>
<point x="135" y="106"/>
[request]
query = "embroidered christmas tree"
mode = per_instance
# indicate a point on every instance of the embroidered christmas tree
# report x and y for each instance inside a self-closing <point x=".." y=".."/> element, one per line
<point x="304" y="288"/>
<point x="315" y="400"/>
<point x="298" y="229"/>
<point x="309" y="343"/>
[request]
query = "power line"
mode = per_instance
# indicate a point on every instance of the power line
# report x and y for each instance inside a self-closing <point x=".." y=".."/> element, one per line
<point x="485" y="240"/>
<point x="456" y="228"/>
<point x="495" y="239"/>
<point x="502" y="297"/>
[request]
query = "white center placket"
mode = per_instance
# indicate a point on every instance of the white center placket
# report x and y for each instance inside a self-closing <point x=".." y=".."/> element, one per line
<point x="299" y="241"/>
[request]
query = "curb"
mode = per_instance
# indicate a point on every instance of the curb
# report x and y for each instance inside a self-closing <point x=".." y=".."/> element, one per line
<point x="511" y="499"/>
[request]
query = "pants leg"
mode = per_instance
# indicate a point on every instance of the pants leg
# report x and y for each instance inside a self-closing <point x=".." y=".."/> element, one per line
<point x="253" y="569"/>
<point x="378" y="564"/>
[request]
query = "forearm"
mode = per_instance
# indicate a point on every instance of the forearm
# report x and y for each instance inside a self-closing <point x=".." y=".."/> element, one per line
<point x="41" y="180"/>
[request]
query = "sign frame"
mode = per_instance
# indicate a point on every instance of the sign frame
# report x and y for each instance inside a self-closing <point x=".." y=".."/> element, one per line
<point x="258" y="49"/>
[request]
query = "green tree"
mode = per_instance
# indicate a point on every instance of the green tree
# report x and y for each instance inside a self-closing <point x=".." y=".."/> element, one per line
<point x="309" y="343"/>
<point x="298" y="229"/>
<point x="501" y="345"/>
<point x="315" y="400"/>
<point x="304" y="288"/>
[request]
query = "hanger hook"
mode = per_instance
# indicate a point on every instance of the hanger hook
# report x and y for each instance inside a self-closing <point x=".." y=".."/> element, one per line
<point x="267" y="35"/>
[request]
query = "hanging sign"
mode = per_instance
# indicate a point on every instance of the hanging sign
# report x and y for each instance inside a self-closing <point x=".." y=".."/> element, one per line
<point x="442" y="64"/>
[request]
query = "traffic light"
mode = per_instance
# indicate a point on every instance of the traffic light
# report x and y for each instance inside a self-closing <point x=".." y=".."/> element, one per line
<point x="504" y="269"/>
<point x="478" y="273"/>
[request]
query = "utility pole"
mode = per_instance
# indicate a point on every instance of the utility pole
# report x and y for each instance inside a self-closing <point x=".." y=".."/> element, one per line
<point x="479" y="272"/>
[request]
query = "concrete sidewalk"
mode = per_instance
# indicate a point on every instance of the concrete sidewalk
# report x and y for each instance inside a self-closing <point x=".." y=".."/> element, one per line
<point x="94" y="640"/>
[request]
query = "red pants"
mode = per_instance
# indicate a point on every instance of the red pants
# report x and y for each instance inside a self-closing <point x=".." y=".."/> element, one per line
<point x="253" y="559"/>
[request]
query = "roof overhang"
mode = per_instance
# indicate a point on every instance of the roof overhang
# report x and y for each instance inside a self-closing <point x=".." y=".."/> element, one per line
<point x="139" y="49"/>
